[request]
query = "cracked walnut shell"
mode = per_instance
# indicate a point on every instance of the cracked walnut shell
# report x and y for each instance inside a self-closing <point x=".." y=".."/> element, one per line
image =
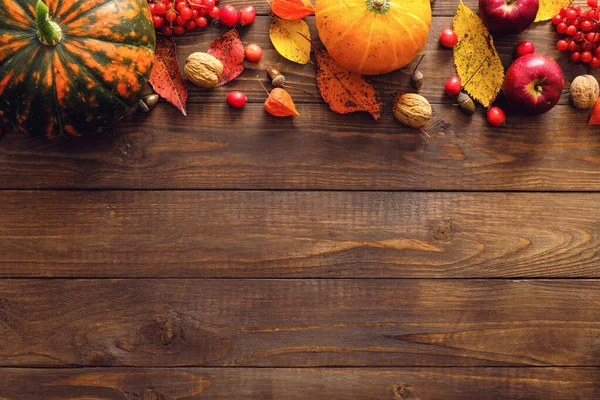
<point x="203" y="69"/>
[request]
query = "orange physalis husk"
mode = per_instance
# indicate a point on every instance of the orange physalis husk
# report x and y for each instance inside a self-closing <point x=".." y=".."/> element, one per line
<point x="292" y="9"/>
<point x="595" y="116"/>
<point x="280" y="104"/>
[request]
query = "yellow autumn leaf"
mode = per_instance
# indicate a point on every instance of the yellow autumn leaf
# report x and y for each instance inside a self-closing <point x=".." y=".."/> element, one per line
<point x="549" y="8"/>
<point x="475" y="57"/>
<point x="291" y="39"/>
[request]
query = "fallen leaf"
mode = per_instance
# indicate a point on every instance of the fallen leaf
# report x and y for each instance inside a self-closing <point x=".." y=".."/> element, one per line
<point x="280" y="104"/>
<point x="165" y="78"/>
<point x="230" y="51"/>
<point x="292" y="9"/>
<point x="595" y="116"/>
<point x="475" y="57"/>
<point x="291" y="39"/>
<point x="549" y="8"/>
<point x="345" y="91"/>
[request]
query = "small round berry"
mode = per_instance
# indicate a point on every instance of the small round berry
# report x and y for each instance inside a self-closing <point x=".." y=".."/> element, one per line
<point x="592" y="3"/>
<point x="575" y="56"/>
<point x="571" y="14"/>
<point x="209" y="4"/>
<point x="561" y="28"/>
<point x="167" y="30"/>
<point x="186" y="13"/>
<point x="452" y="86"/>
<point x="160" y="8"/>
<point x="595" y="62"/>
<point x="179" y="30"/>
<point x="190" y="25"/>
<point x="495" y="116"/>
<point x="237" y="99"/>
<point x="247" y="15"/>
<point x="524" y="48"/>
<point x="170" y="15"/>
<point x="597" y="51"/>
<point x="557" y="19"/>
<point x="180" y="4"/>
<point x="562" y="45"/>
<point x="448" y="38"/>
<point x="214" y="12"/>
<point x="573" y="46"/>
<point x="201" y="22"/>
<point x="563" y="11"/>
<point x="228" y="16"/>
<point x="158" y="21"/>
<point x="593" y="14"/>
<point x="586" y="57"/>
<point x="586" y="25"/>
<point x="253" y="52"/>
<point x="571" y="30"/>
<point x="152" y="7"/>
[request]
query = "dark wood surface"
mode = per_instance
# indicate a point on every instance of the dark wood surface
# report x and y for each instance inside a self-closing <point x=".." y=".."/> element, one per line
<point x="233" y="255"/>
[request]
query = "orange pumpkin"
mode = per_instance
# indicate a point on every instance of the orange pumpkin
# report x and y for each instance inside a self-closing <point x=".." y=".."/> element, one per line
<point x="373" y="36"/>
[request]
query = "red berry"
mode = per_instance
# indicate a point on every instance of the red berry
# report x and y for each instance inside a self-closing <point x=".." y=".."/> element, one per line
<point x="167" y="30"/>
<point x="158" y="21"/>
<point x="561" y="28"/>
<point x="247" y="15"/>
<point x="562" y="45"/>
<point x="236" y="99"/>
<point x="448" y="38"/>
<point x="228" y="16"/>
<point x="563" y="11"/>
<point x="571" y="30"/>
<point x="593" y="14"/>
<point x="209" y="4"/>
<point x="571" y="14"/>
<point x="452" y="86"/>
<point x="186" y="13"/>
<point x="586" y="57"/>
<point x="201" y="22"/>
<point x="180" y="4"/>
<point x="179" y="21"/>
<point x="595" y="62"/>
<point x="495" y="116"/>
<point x="214" y="12"/>
<point x="572" y="46"/>
<point x="597" y="51"/>
<point x="160" y="8"/>
<point x="190" y="25"/>
<point x="179" y="30"/>
<point x="591" y="37"/>
<point x="152" y="7"/>
<point x="575" y="56"/>
<point x="524" y="48"/>
<point x="592" y="3"/>
<point x="586" y="25"/>
<point x="557" y="19"/>
<point x="170" y="15"/>
<point x="253" y="52"/>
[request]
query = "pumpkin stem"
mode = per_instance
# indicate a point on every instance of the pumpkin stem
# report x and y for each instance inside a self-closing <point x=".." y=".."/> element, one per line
<point x="48" y="31"/>
<point x="378" y="4"/>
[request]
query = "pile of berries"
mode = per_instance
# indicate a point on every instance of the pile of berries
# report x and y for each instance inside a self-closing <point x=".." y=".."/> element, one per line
<point x="582" y="30"/>
<point x="175" y="17"/>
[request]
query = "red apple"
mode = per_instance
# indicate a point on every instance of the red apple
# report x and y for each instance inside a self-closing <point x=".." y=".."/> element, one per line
<point x="533" y="84"/>
<point x="508" y="16"/>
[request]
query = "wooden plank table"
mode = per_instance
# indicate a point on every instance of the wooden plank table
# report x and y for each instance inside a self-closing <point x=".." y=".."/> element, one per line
<point x="233" y="255"/>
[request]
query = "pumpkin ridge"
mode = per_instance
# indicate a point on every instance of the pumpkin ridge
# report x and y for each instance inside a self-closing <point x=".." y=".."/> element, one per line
<point x="94" y="76"/>
<point x="80" y="39"/>
<point x="408" y="31"/>
<point x="413" y="16"/>
<point x="393" y="42"/>
<point x="366" y="55"/>
<point x="348" y="27"/>
<point x="68" y="14"/>
<point x="26" y="12"/>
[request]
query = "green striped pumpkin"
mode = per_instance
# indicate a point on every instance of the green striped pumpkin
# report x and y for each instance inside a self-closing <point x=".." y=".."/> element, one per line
<point x="72" y="67"/>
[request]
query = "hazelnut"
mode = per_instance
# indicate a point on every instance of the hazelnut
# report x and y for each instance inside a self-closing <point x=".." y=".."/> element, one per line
<point x="584" y="91"/>
<point x="412" y="109"/>
<point x="203" y="69"/>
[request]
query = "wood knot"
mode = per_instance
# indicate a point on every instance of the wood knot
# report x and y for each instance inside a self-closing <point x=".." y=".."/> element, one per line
<point x="158" y="336"/>
<point x="130" y="147"/>
<point x="150" y="394"/>
<point x="94" y="356"/>
<point x="404" y="392"/>
<point x="442" y="232"/>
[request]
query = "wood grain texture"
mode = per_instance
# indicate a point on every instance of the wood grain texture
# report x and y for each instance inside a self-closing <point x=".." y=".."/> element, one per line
<point x="297" y="384"/>
<point x="182" y="322"/>
<point x="300" y="234"/>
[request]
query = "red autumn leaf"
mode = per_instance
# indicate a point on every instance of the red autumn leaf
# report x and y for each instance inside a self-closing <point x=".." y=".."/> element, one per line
<point x="595" y="116"/>
<point x="280" y="104"/>
<point x="345" y="91"/>
<point x="230" y="51"/>
<point x="292" y="9"/>
<point x="166" y="76"/>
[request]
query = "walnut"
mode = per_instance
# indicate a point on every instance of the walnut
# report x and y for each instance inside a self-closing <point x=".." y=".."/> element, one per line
<point x="412" y="109"/>
<point x="203" y="69"/>
<point x="584" y="91"/>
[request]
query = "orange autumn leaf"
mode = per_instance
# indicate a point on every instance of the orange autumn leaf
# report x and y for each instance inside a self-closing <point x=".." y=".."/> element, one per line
<point x="292" y="9"/>
<point x="165" y="78"/>
<point x="595" y="116"/>
<point x="345" y="91"/>
<point x="280" y="104"/>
